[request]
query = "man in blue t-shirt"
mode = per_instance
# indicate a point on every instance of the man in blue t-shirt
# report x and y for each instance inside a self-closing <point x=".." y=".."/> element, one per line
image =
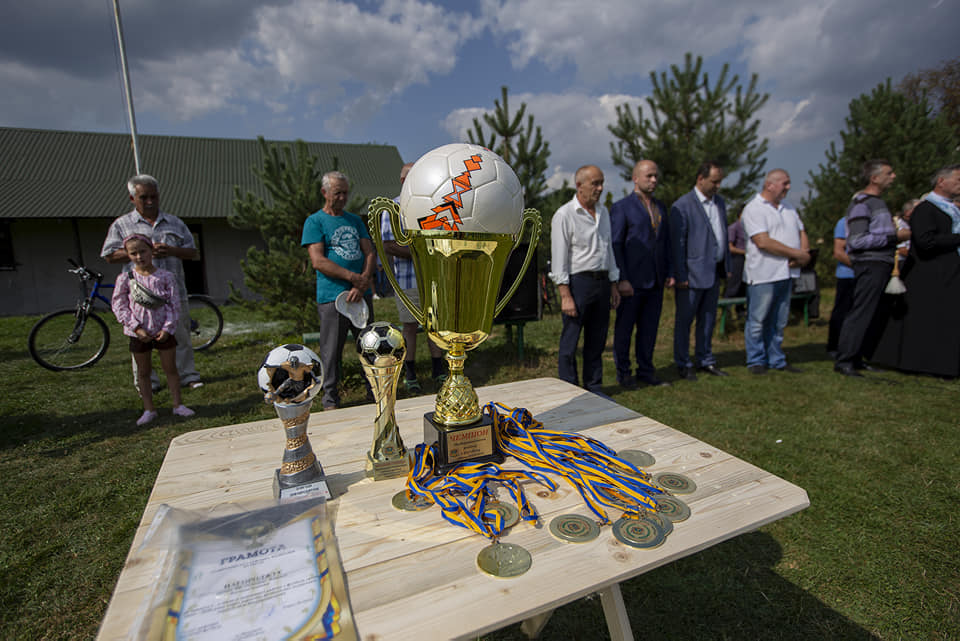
<point x="342" y="254"/>
<point x="844" y="273"/>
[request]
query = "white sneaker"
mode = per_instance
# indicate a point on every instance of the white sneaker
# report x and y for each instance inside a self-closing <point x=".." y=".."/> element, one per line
<point x="196" y="384"/>
<point x="183" y="410"/>
<point x="147" y="417"/>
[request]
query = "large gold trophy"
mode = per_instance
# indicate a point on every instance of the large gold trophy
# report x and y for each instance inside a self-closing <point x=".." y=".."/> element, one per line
<point x="461" y="213"/>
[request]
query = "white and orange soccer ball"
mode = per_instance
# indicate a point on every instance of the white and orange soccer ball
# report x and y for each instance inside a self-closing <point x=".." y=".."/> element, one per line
<point x="462" y="187"/>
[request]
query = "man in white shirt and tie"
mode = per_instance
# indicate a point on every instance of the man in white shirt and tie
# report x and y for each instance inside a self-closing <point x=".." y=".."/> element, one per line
<point x="586" y="274"/>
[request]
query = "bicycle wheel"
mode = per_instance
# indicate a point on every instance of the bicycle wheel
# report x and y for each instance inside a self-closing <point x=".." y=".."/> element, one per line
<point x="62" y="341"/>
<point x="206" y="322"/>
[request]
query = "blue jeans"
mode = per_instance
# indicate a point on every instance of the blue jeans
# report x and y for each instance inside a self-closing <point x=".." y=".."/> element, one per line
<point x="768" y="309"/>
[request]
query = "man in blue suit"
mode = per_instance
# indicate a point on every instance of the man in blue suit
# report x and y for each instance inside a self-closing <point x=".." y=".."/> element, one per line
<point x="701" y="259"/>
<point x="641" y="246"/>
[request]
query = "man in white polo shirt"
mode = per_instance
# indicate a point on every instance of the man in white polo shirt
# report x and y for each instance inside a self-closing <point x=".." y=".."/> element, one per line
<point x="777" y="247"/>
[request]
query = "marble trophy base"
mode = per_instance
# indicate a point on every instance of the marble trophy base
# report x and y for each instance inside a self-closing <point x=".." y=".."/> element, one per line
<point x="383" y="470"/>
<point x="473" y="443"/>
<point x="309" y="482"/>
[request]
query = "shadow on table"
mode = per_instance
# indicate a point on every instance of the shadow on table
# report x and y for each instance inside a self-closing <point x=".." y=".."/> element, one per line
<point x="729" y="591"/>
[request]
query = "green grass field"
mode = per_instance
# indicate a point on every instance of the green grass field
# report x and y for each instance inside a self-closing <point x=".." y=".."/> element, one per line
<point x="874" y="556"/>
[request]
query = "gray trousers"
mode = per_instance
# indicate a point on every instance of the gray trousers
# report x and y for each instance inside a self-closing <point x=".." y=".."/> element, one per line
<point x="333" y="336"/>
<point x="185" y="365"/>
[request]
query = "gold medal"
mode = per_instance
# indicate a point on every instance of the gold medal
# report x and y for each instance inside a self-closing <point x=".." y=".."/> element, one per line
<point x="504" y="560"/>
<point x="672" y="508"/>
<point x="675" y="483"/>
<point x="638" y="533"/>
<point x="638" y="458"/>
<point x="510" y="514"/>
<point x="404" y="503"/>
<point x="573" y="528"/>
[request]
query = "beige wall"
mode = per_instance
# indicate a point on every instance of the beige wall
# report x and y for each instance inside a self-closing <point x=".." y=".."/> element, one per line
<point x="41" y="284"/>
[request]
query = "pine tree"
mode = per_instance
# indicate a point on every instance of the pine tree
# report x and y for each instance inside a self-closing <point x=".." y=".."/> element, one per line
<point x="941" y="87"/>
<point x="882" y="124"/>
<point x="281" y="273"/>
<point x="692" y="120"/>
<point x="521" y="145"/>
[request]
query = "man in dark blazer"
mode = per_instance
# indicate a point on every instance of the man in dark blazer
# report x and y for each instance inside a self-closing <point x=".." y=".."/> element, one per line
<point x="641" y="246"/>
<point x="701" y="260"/>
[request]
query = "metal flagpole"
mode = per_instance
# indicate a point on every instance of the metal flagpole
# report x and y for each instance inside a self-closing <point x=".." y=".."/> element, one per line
<point x="126" y="85"/>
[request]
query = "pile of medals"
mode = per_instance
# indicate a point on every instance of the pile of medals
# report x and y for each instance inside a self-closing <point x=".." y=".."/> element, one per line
<point x="603" y="477"/>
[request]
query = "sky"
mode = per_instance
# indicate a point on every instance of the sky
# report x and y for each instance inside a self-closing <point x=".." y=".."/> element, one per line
<point x="414" y="74"/>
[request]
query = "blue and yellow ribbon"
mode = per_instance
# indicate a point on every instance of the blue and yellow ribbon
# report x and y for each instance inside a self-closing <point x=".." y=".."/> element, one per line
<point x="602" y="478"/>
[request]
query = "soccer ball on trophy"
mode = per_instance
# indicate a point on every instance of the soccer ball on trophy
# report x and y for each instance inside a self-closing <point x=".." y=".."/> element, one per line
<point x="381" y="345"/>
<point x="290" y="374"/>
<point x="462" y="187"/>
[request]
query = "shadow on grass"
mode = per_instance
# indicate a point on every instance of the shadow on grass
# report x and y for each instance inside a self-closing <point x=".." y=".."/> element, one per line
<point x="73" y="433"/>
<point x="680" y="601"/>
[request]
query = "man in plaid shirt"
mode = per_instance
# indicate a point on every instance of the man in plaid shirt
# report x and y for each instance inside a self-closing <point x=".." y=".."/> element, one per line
<point x="407" y="278"/>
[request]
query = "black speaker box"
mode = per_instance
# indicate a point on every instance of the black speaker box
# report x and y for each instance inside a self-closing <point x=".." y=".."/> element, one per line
<point x="526" y="303"/>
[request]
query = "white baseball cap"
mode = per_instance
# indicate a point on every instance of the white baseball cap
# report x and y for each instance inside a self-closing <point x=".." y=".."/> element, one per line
<point x="356" y="312"/>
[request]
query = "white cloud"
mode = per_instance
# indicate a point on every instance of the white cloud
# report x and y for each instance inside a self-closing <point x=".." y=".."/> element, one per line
<point x="575" y="125"/>
<point x="356" y="60"/>
<point x="34" y="97"/>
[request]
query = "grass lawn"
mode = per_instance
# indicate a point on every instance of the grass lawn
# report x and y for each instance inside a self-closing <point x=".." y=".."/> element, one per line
<point x="874" y="556"/>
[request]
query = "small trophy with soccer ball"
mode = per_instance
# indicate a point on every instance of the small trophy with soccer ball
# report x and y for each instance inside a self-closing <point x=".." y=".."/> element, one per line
<point x="290" y="378"/>
<point x="381" y="349"/>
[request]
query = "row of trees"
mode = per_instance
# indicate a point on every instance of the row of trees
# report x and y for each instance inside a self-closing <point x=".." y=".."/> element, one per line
<point x="687" y="118"/>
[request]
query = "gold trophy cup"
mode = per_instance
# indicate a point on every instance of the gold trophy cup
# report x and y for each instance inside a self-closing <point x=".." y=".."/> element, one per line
<point x="458" y="280"/>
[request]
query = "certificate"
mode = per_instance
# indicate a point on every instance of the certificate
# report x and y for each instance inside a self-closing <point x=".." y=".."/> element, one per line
<point x="254" y="579"/>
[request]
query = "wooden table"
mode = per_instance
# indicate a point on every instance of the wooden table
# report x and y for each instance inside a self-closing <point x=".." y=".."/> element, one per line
<point x="413" y="575"/>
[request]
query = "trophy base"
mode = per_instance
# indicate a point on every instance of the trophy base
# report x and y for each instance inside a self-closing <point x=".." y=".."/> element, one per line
<point x="314" y="488"/>
<point x="473" y="443"/>
<point x="383" y="470"/>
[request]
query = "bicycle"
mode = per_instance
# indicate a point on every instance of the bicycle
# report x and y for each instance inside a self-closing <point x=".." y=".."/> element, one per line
<point x="65" y="339"/>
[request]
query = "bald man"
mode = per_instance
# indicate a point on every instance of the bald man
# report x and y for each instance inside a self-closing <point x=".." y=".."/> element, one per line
<point x="641" y="246"/>
<point x="585" y="271"/>
<point x="777" y="247"/>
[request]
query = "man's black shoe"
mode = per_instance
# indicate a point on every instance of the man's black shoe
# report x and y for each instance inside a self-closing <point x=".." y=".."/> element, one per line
<point x="687" y="374"/>
<point x="867" y="368"/>
<point x="789" y="368"/>
<point x="847" y="370"/>
<point x="757" y="369"/>
<point x="628" y="383"/>
<point x="654" y="382"/>
<point x="713" y="371"/>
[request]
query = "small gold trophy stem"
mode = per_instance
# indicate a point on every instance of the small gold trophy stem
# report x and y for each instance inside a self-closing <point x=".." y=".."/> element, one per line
<point x="388" y="457"/>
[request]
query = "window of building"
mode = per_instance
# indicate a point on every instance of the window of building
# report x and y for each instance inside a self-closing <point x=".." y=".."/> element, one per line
<point x="7" y="263"/>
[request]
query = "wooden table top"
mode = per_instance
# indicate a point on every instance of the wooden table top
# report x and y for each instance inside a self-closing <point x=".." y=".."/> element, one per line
<point x="412" y="575"/>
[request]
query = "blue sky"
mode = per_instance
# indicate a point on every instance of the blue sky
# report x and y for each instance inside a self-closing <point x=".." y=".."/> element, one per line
<point x="414" y="74"/>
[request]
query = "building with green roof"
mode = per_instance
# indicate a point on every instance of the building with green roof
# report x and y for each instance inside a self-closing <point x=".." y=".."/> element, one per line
<point x="60" y="190"/>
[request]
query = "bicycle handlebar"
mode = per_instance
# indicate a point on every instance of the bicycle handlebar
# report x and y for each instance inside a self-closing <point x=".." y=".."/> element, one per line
<point x="83" y="272"/>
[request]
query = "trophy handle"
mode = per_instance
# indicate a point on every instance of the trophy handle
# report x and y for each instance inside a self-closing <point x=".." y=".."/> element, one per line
<point x="393" y="209"/>
<point x="531" y="216"/>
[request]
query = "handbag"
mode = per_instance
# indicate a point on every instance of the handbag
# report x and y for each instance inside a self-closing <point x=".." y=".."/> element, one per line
<point x="143" y="295"/>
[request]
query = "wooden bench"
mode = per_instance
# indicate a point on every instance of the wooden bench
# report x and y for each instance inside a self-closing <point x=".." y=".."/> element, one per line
<point x="726" y="303"/>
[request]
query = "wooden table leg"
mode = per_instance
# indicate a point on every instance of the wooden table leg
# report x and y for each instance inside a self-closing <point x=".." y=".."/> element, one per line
<point x="533" y="626"/>
<point x="616" y="613"/>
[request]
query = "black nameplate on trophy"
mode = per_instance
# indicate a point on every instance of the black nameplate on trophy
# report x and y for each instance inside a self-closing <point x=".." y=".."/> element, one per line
<point x="472" y="443"/>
